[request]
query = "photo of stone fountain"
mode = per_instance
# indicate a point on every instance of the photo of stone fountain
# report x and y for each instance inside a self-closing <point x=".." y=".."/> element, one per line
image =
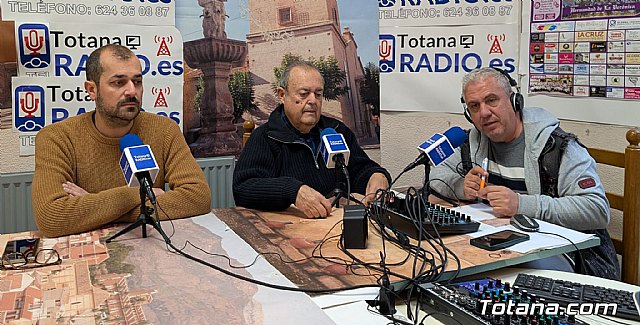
<point x="214" y="55"/>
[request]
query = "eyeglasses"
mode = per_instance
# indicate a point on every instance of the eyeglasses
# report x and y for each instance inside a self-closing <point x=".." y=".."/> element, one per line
<point x="30" y="259"/>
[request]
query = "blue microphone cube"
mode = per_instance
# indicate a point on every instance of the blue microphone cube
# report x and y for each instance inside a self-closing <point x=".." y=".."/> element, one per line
<point x="438" y="148"/>
<point x="137" y="159"/>
<point x="332" y="145"/>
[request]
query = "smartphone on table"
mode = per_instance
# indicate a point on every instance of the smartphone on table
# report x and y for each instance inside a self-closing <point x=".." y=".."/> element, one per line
<point x="18" y="251"/>
<point x="499" y="240"/>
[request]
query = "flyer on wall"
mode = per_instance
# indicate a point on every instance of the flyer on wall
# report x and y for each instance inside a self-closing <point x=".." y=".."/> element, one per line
<point x="585" y="48"/>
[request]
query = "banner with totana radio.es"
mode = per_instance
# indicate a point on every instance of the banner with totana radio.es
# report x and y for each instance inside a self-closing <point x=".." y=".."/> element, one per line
<point x="447" y="12"/>
<point x="421" y="67"/>
<point x="134" y="12"/>
<point x="52" y="59"/>
<point x="42" y="101"/>
<point x="61" y="49"/>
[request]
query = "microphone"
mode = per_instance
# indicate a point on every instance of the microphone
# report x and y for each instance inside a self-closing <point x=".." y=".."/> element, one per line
<point x="138" y="160"/>
<point x="333" y="148"/>
<point x="439" y="147"/>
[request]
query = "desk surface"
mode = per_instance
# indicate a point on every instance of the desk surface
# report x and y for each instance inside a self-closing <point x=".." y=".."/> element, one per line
<point x="295" y="237"/>
<point x="138" y="279"/>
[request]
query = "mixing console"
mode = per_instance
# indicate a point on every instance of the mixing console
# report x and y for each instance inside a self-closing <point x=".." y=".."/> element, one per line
<point x="490" y="301"/>
<point x="434" y="219"/>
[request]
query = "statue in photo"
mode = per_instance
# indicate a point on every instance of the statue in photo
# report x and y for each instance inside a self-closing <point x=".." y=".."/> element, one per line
<point x="213" y="18"/>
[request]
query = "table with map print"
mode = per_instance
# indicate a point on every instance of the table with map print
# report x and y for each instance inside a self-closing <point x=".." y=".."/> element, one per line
<point x="136" y="280"/>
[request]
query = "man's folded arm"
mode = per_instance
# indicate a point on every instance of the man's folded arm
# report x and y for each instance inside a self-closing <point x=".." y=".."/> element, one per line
<point x="189" y="193"/>
<point x="58" y="214"/>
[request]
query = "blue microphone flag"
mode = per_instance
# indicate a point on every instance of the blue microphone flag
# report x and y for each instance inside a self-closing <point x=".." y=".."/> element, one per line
<point x="333" y="144"/>
<point x="441" y="146"/>
<point x="136" y="157"/>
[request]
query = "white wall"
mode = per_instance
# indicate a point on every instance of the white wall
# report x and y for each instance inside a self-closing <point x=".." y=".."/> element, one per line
<point x="10" y="161"/>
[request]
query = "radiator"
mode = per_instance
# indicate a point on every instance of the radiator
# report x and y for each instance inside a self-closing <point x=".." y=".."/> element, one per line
<point x="15" y="203"/>
<point x="16" y="213"/>
<point x="218" y="172"/>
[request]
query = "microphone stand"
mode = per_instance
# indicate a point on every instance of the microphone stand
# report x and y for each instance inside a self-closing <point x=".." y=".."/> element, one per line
<point x="338" y="192"/>
<point x="144" y="219"/>
<point x="425" y="186"/>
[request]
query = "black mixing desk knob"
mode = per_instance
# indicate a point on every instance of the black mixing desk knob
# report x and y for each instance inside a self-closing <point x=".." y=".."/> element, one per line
<point x="498" y="283"/>
<point x="507" y="286"/>
<point x="476" y="286"/>
<point x="488" y="311"/>
<point x="490" y="284"/>
<point x="478" y="306"/>
<point x="516" y="290"/>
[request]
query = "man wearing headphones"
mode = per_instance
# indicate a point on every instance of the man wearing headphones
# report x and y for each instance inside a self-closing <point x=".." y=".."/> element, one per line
<point x="513" y="138"/>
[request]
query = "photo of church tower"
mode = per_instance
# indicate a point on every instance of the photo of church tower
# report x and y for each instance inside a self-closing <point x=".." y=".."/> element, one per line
<point x="310" y="29"/>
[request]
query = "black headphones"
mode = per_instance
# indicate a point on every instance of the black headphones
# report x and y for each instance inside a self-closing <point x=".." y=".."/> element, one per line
<point x="516" y="99"/>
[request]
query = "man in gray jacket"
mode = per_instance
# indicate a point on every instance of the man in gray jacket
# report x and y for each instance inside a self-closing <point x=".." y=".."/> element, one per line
<point x="512" y="138"/>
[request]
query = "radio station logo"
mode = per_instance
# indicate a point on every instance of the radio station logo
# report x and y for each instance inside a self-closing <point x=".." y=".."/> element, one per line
<point x="495" y="40"/>
<point x="35" y="51"/>
<point x="403" y="3"/>
<point x="161" y="100"/>
<point x="29" y="108"/>
<point x="163" y="49"/>
<point x="387" y="52"/>
<point x="386" y="3"/>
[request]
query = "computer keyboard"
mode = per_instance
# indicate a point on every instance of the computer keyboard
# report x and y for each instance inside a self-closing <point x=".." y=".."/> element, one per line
<point x="566" y="292"/>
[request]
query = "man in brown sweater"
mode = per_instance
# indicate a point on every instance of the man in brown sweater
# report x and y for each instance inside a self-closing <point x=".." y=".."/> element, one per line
<point x="78" y="184"/>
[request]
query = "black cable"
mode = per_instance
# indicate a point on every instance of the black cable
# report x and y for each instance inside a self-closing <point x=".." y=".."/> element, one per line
<point x="346" y="175"/>
<point x="578" y="251"/>
<point x="438" y="313"/>
<point x="250" y="280"/>
<point x="255" y="259"/>
<point x="394" y="181"/>
<point x="417" y="250"/>
<point x="437" y="238"/>
<point x="455" y="201"/>
<point x="435" y="271"/>
<point x="266" y="284"/>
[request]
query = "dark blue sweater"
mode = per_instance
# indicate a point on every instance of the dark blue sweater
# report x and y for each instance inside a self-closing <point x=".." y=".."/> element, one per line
<point x="276" y="161"/>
